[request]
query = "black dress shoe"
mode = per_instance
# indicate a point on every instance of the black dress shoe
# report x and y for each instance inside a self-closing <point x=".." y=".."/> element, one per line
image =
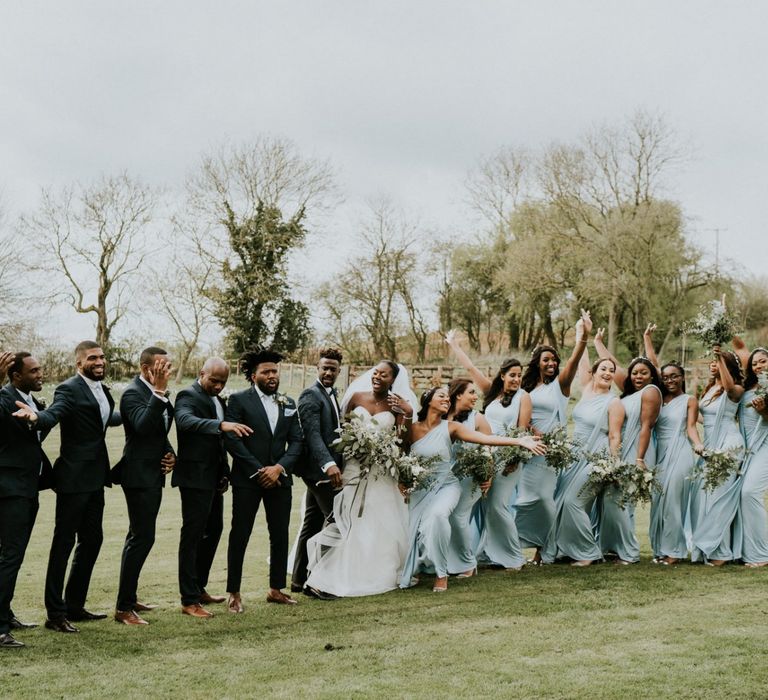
<point x="7" y="641"/>
<point x="295" y="588"/>
<point x="17" y="624"/>
<point x="320" y="595"/>
<point x="61" y="624"/>
<point x="85" y="616"/>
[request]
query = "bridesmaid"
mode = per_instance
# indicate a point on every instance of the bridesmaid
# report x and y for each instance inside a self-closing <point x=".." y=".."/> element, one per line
<point x="677" y="440"/>
<point x="598" y="417"/>
<point x="461" y="556"/>
<point x="712" y="513"/>
<point x="430" y="509"/>
<point x="549" y="389"/>
<point x="750" y="531"/>
<point x="642" y="401"/>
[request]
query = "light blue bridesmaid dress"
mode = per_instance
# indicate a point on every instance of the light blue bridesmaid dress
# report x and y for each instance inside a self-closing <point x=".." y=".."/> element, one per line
<point x="674" y="460"/>
<point x="712" y="513"/>
<point x="429" y="532"/>
<point x="750" y="528"/>
<point x="571" y="534"/>
<point x="461" y="554"/>
<point x="498" y="542"/>
<point x="535" y="501"/>
<point x="616" y="525"/>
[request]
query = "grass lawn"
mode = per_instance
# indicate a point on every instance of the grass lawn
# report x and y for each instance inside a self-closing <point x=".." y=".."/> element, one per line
<point x="554" y="632"/>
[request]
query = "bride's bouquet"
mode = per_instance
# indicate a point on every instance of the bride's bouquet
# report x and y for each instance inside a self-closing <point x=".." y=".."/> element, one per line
<point x="377" y="451"/>
<point x="715" y="467"/>
<point x="508" y="458"/>
<point x="475" y="461"/>
<point x="633" y="483"/>
<point x="562" y="451"/>
<point x="713" y="325"/>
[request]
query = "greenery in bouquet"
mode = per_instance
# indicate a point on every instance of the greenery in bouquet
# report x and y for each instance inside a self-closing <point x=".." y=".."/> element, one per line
<point x="716" y="466"/>
<point x="562" y="451"/>
<point x="713" y="325"/>
<point x="414" y="472"/>
<point x="638" y="485"/>
<point x="634" y="484"/>
<point x="508" y="458"/>
<point x="761" y="389"/>
<point x="377" y="451"/>
<point x="604" y="470"/>
<point x="475" y="461"/>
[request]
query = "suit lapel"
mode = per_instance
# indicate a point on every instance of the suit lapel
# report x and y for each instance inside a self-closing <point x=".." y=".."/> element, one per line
<point x="205" y="402"/>
<point x="90" y="398"/>
<point x="329" y="400"/>
<point x="259" y="408"/>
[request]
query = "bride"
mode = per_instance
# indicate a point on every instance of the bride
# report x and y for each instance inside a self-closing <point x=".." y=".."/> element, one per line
<point x="363" y="550"/>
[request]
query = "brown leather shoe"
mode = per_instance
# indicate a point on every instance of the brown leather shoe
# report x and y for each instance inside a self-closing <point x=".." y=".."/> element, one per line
<point x="196" y="610"/>
<point x="208" y="599"/>
<point x="275" y="596"/>
<point x="234" y="604"/>
<point x="143" y="607"/>
<point x="129" y="617"/>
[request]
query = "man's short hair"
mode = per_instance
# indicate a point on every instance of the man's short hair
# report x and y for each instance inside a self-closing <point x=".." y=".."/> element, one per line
<point x="84" y="345"/>
<point x="331" y="354"/>
<point x="148" y="353"/>
<point x="18" y="363"/>
<point x="249" y="361"/>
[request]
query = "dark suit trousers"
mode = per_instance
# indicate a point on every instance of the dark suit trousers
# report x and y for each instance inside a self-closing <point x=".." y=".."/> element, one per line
<point x="201" y="526"/>
<point x="277" y="508"/>
<point x="17" y="518"/>
<point x="319" y="506"/>
<point x="78" y="518"/>
<point x="143" y="507"/>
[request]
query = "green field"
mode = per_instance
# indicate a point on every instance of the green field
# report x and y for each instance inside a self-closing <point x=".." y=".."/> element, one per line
<point x="552" y="632"/>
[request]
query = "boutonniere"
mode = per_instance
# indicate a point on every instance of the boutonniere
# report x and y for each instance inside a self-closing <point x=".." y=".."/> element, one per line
<point x="282" y="400"/>
<point x="42" y="403"/>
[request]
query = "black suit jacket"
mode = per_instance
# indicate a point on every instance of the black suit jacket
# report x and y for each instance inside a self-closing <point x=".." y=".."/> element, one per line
<point x="262" y="448"/>
<point x="201" y="462"/>
<point x="83" y="462"/>
<point x="146" y="437"/>
<point x="319" y="424"/>
<point x="21" y="454"/>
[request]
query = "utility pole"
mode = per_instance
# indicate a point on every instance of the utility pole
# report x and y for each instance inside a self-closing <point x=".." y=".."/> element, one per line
<point x="717" y="249"/>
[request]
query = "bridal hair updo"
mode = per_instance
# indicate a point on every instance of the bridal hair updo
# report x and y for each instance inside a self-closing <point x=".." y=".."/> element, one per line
<point x="393" y="366"/>
<point x="734" y="367"/>
<point x="532" y="373"/>
<point x="497" y="384"/>
<point x="629" y="387"/>
<point x="750" y="378"/>
<point x="679" y="368"/>
<point x="251" y="359"/>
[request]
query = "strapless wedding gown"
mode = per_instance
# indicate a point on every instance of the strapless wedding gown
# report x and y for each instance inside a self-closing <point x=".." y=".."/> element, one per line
<point x="362" y="553"/>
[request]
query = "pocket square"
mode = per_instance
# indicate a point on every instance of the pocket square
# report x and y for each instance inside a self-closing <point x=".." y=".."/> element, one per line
<point x="289" y="412"/>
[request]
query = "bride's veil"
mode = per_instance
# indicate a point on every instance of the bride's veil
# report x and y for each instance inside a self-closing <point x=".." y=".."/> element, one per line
<point x="401" y="387"/>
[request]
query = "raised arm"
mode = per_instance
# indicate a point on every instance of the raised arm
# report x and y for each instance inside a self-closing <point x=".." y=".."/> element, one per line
<point x="482" y="381"/>
<point x="568" y="373"/>
<point x="604" y="354"/>
<point x="615" y="423"/>
<point x="585" y="367"/>
<point x="650" y="352"/>
<point x="733" y="389"/>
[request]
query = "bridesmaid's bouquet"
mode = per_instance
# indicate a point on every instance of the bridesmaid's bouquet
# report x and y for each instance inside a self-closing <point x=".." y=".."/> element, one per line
<point x="639" y="484"/>
<point x="562" y="451"/>
<point x="604" y="471"/>
<point x="508" y="458"/>
<point x="716" y="466"/>
<point x="377" y="451"/>
<point x="713" y="325"/>
<point x="633" y="483"/>
<point x="761" y="390"/>
<point x="475" y="461"/>
<point x="414" y="472"/>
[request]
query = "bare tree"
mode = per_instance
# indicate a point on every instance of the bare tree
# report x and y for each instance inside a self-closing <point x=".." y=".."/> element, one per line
<point x="98" y="243"/>
<point x="9" y="259"/>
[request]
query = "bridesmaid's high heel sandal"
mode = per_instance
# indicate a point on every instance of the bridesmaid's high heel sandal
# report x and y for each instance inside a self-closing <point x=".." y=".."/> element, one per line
<point x="716" y="562"/>
<point x="669" y="561"/>
<point x="756" y="564"/>
<point x="582" y="563"/>
<point x="468" y="574"/>
<point x="441" y="585"/>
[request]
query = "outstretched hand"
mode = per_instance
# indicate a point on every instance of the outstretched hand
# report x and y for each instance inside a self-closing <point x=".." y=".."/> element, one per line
<point x="600" y="335"/>
<point x="6" y="360"/>
<point x="586" y="321"/>
<point x="239" y="429"/>
<point x="25" y="412"/>
<point x="534" y="444"/>
<point x="649" y="329"/>
<point x="450" y="337"/>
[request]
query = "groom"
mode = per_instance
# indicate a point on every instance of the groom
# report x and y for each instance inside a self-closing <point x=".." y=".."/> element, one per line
<point x="321" y="465"/>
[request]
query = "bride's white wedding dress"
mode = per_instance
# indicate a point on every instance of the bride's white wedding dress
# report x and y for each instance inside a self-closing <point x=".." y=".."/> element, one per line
<point x="362" y="553"/>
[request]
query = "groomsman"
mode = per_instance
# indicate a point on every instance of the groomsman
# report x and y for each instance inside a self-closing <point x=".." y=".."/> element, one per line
<point x="202" y="475"/>
<point x="23" y="466"/>
<point x="321" y="465"/>
<point x="84" y="409"/>
<point x="261" y="471"/>
<point x="147" y="457"/>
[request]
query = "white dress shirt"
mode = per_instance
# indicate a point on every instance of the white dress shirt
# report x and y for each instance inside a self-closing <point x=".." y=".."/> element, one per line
<point x="269" y="401"/>
<point x="100" y="396"/>
<point x="28" y="400"/>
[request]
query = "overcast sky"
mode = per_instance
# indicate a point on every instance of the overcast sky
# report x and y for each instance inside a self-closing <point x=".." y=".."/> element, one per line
<point x="401" y="97"/>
